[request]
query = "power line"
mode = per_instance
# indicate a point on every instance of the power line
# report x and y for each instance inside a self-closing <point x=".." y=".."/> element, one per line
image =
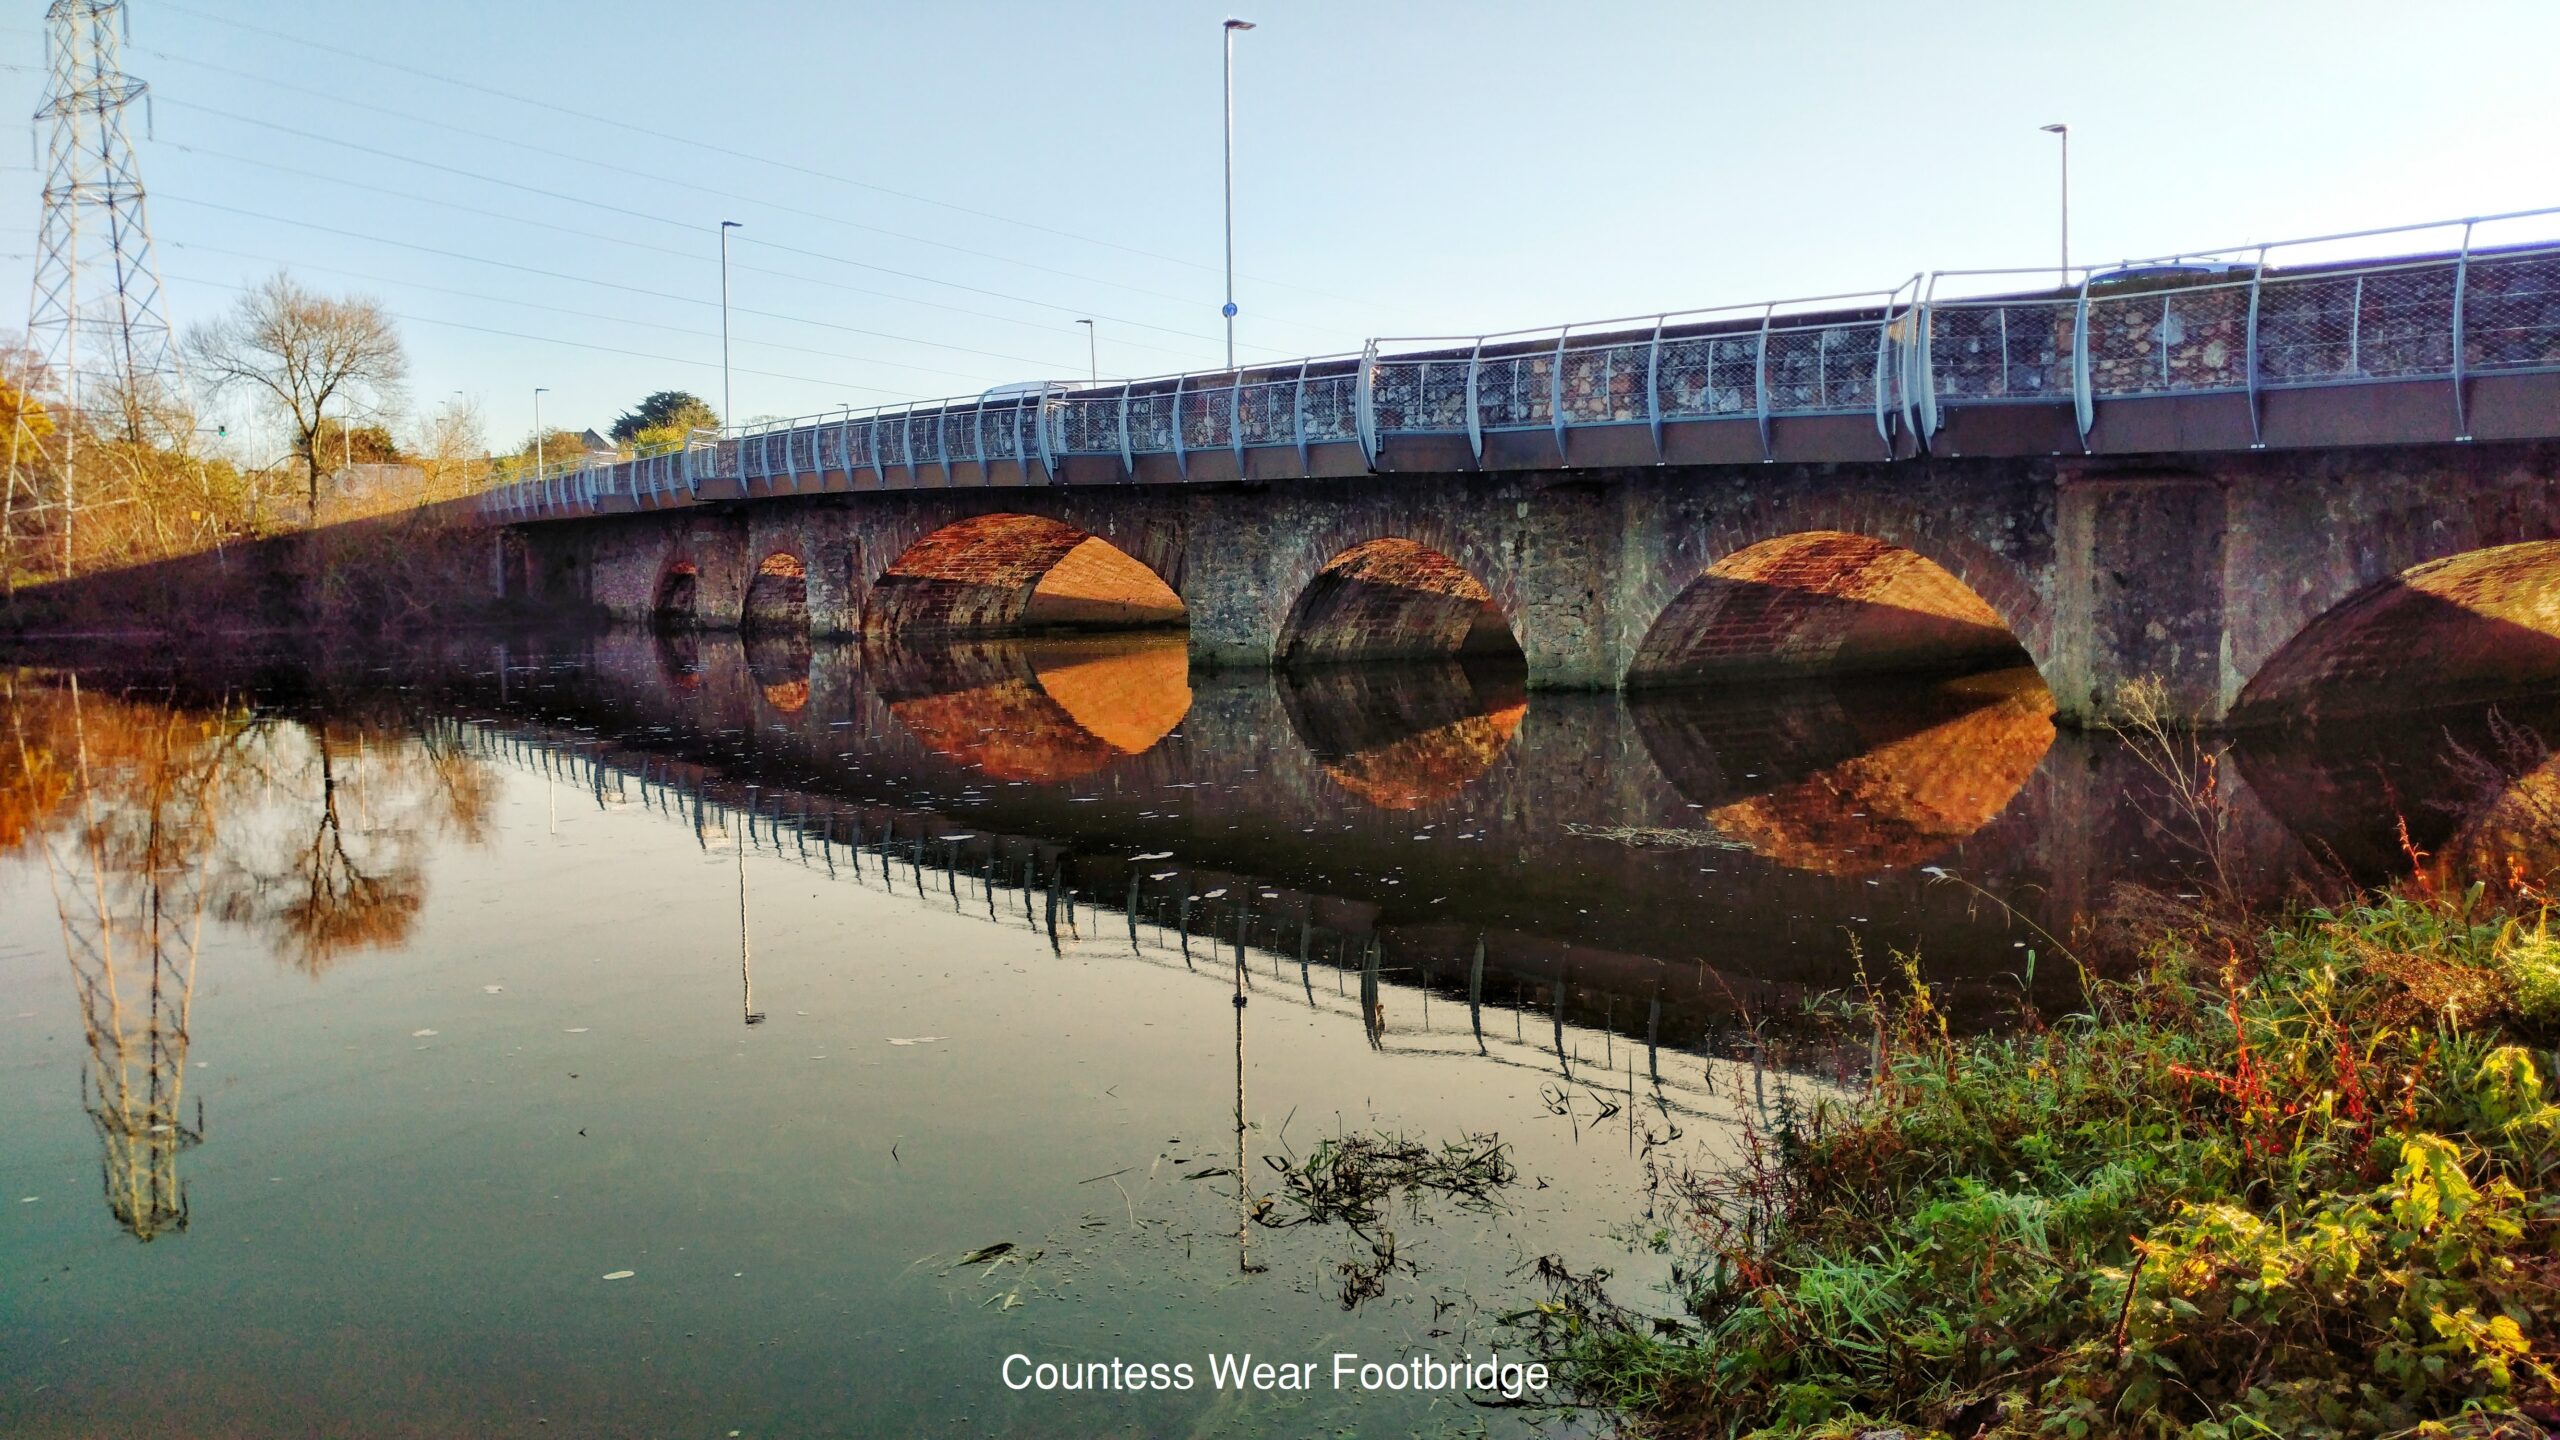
<point x="606" y="349"/>
<point x="694" y="228"/>
<point x="496" y="93"/>
<point x="537" y="270"/>
<point x="657" y="179"/>
<point x="421" y="285"/>
<point x="671" y="250"/>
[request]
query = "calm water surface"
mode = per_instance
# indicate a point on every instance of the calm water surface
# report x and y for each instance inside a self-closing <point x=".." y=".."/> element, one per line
<point x="358" y="1021"/>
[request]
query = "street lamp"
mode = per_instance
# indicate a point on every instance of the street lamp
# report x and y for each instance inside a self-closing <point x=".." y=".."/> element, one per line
<point x="725" y="227"/>
<point x="1093" y="365"/>
<point x="1230" y="311"/>
<point x="538" y="392"/>
<point x="2065" y="132"/>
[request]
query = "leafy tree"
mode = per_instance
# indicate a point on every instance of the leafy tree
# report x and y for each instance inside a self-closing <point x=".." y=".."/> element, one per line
<point x="302" y="356"/>
<point x="675" y="411"/>
<point x="342" y="444"/>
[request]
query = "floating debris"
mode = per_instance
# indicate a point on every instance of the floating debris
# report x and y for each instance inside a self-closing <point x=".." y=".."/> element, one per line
<point x="913" y="1039"/>
<point x="491" y="989"/>
<point x="420" y="1034"/>
<point x="620" y="1274"/>
<point x="1649" y="837"/>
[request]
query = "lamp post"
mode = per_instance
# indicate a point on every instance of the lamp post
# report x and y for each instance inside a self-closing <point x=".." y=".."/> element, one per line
<point x="1092" y="364"/>
<point x="1232" y="27"/>
<point x="2065" y="132"/>
<point x="725" y="227"/>
<point x="538" y="392"/>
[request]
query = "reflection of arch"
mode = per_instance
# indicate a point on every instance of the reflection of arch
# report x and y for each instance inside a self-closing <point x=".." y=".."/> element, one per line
<point x="1823" y="603"/>
<point x="1853" y="781"/>
<point x="2467" y="626"/>
<point x="1402" y="737"/>
<point x="677" y="605"/>
<point x="778" y="661"/>
<point x="778" y="597"/>
<point x="1011" y="574"/>
<point x="1041" y="710"/>
<point x="680" y="657"/>
<point x="1393" y="599"/>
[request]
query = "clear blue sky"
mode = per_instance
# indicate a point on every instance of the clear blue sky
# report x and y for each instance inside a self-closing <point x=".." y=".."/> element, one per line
<point x="1404" y="168"/>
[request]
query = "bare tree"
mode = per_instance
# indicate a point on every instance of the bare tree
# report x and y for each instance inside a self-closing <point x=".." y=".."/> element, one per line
<point x="296" y="353"/>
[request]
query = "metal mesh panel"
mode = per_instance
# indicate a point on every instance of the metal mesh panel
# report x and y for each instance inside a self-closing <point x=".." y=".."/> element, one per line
<point x="1089" y="425"/>
<point x="858" y="444"/>
<point x="924" y="440"/>
<point x="2511" y="313"/>
<point x="1267" y="412"/>
<point x="2001" y="352"/>
<point x="1002" y="433"/>
<point x="2307" y="328"/>
<point x="1605" y="383"/>
<point x="1830" y="368"/>
<point x="1444" y="395"/>
<point x="1516" y="392"/>
<point x="960" y="434"/>
<point x="2124" y="345"/>
<point x="1395" y="390"/>
<point x="804" y="451"/>
<point x="2204" y="338"/>
<point x="1330" y="407"/>
<point x="2404" y="323"/>
<point x="831" y="447"/>
<point x="1207" y="418"/>
<point x="1151" y="423"/>
<point x="731" y="458"/>
<point x="891" y="431"/>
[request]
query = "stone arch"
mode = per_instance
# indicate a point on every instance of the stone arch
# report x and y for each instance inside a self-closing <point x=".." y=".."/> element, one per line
<point x="676" y="603"/>
<point x="1011" y="574"/>
<point x="1394" y="598"/>
<point x="777" y="599"/>
<point x="1823" y="603"/>
<point x="2467" y="626"/>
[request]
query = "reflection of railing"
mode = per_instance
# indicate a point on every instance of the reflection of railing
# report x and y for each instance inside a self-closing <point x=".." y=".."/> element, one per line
<point x="1023" y="881"/>
<point x="2208" y="323"/>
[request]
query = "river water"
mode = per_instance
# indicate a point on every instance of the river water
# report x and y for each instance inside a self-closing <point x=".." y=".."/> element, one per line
<point x="675" y="1035"/>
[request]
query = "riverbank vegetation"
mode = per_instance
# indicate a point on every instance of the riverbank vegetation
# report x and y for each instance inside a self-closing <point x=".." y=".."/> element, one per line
<point x="2283" y="1182"/>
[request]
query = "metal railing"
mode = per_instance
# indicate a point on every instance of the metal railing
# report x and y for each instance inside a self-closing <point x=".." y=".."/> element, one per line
<point x="2227" y="322"/>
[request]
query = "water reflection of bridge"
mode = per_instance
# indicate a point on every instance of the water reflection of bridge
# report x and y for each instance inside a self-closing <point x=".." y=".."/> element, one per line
<point x="1512" y="1000"/>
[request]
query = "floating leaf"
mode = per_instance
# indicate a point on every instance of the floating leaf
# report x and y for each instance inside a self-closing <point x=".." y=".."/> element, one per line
<point x="620" y="1274"/>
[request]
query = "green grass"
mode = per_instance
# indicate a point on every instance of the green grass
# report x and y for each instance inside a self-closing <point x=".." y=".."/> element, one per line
<point x="2296" y="1187"/>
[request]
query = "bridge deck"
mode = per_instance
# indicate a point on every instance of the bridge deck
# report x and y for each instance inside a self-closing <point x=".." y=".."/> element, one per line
<point x="2455" y="345"/>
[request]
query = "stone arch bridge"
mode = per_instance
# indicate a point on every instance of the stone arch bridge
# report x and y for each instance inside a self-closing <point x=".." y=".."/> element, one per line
<point x="2269" y="488"/>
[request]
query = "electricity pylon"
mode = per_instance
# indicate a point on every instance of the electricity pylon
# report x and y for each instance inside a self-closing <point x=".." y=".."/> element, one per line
<point x="129" y="889"/>
<point x="96" y="321"/>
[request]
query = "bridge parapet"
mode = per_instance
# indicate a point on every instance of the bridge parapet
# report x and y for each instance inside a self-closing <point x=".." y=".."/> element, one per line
<point x="2204" y="351"/>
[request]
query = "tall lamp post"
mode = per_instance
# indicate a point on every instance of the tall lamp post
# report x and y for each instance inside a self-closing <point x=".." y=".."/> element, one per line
<point x="2065" y="132"/>
<point x="1230" y="311"/>
<point x="538" y="392"/>
<point x="725" y="227"/>
<point x="1092" y="360"/>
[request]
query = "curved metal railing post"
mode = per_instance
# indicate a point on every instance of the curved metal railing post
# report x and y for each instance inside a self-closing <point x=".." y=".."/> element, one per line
<point x="2257" y="407"/>
<point x="1128" y="456"/>
<point x="942" y="444"/>
<point x="1364" y="409"/>
<point x="907" y="442"/>
<point x="2461" y="341"/>
<point x="1298" y="416"/>
<point x="1040" y="426"/>
<point x="1924" y="361"/>
<point x="1555" y="394"/>
<point x="879" y="463"/>
<point x="1653" y="387"/>
<point x="2083" y="407"/>
<point x="1760" y="386"/>
<point x="1475" y="417"/>
<point x="1235" y="418"/>
<point x="1181" y="453"/>
<point x="978" y="438"/>
<point x="1884" y="333"/>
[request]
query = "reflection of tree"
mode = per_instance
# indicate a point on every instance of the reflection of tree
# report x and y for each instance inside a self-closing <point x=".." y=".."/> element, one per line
<point x="348" y="874"/>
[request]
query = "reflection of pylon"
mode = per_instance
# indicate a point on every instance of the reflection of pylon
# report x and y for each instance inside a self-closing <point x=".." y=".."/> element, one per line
<point x="131" y="901"/>
<point x="94" y="269"/>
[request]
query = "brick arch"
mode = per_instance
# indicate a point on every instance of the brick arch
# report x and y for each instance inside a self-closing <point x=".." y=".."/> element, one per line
<point x="675" y="598"/>
<point x="1009" y="572"/>
<point x="777" y="598"/>
<point x="1822" y="602"/>
<point x="2469" y="625"/>
<point x="1393" y="598"/>
<point x="1307" y="587"/>
<point x="1999" y="571"/>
